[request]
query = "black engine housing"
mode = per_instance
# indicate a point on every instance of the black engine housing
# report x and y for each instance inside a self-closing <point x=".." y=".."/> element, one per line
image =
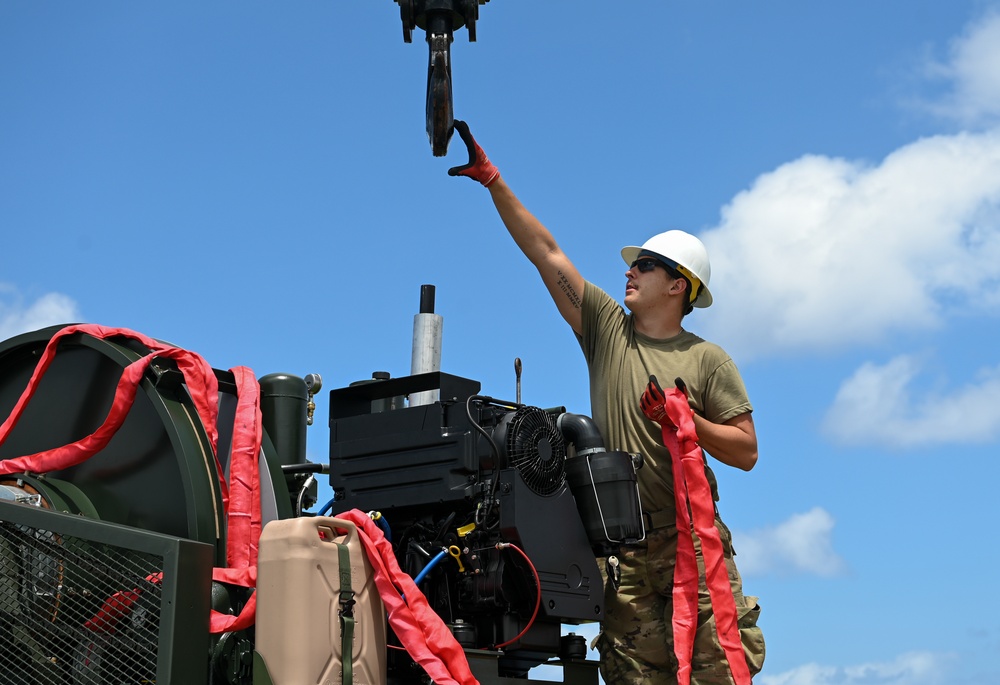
<point x="457" y="481"/>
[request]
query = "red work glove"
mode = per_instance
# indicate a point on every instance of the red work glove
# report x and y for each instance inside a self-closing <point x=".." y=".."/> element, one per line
<point x="652" y="404"/>
<point x="479" y="168"/>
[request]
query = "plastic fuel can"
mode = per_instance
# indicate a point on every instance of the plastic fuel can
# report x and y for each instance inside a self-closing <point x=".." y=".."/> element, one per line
<point x="298" y="633"/>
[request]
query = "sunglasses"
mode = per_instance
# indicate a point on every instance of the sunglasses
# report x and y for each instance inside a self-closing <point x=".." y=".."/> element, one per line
<point x="647" y="264"/>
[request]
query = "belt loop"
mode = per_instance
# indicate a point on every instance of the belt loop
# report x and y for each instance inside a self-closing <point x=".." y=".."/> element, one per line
<point x="660" y="519"/>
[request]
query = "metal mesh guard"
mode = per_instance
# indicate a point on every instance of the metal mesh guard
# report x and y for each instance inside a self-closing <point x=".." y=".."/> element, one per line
<point x="74" y="611"/>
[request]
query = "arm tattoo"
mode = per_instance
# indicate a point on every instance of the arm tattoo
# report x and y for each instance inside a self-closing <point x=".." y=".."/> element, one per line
<point x="571" y="294"/>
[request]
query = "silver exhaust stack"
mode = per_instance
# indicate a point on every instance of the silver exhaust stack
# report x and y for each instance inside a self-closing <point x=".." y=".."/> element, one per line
<point x="426" y="357"/>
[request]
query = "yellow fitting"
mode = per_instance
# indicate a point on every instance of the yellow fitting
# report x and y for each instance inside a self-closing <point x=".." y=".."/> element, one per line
<point x="455" y="552"/>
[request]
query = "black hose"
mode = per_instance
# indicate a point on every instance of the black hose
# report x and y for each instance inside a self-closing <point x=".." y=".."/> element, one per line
<point x="493" y="446"/>
<point x="582" y="432"/>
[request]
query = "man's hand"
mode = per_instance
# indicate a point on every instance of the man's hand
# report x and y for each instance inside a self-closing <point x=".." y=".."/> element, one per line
<point x="652" y="401"/>
<point x="479" y="167"/>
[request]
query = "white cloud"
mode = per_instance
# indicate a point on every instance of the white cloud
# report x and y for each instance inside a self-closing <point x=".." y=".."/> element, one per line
<point x="800" y="545"/>
<point x="973" y="71"/>
<point x="877" y="406"/>
<point x="17" y="317"/>
<point x="913" y="668"/>
<point x="824" y="253"/>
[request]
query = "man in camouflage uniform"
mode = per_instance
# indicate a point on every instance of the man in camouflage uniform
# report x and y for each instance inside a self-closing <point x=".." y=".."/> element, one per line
<point x="666" y="278"/>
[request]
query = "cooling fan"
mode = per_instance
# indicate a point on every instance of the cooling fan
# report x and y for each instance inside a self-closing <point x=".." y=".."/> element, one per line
<point x="534" y="447"/>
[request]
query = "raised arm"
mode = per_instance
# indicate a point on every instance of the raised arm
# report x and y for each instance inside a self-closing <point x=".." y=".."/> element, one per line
<point x="560" y="276"/>
<point x="564" y="282"/>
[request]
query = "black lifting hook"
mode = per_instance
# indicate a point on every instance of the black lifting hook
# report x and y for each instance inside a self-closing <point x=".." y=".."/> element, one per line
<point x="439" y="19"/>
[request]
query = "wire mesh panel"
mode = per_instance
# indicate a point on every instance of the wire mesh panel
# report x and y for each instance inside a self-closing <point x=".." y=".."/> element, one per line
<point x="84" y="609"/>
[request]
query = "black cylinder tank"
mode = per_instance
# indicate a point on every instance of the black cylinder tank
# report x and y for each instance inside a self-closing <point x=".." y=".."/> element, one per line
<point x="283" y="400"/>
<point x="604" y="486"/>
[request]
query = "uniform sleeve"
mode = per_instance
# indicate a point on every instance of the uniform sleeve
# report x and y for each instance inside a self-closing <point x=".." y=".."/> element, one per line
<point x="598" y="309"/>
<point x="725" y="393"/>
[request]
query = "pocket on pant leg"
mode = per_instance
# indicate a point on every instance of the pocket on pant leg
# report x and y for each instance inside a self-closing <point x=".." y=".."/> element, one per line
<point x="750" y="634"/>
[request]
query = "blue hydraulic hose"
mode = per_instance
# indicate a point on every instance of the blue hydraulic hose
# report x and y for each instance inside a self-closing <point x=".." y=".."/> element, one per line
<point x="429" y="566"/>
<point x="326" y="507"/>
<point x="384" y="525"/>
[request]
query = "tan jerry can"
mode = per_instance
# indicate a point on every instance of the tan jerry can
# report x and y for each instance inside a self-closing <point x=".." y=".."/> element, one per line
<point x="298" y="632"/>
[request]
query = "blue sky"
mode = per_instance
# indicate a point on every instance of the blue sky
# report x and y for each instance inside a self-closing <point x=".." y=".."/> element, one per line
<point x="251" y="180"/>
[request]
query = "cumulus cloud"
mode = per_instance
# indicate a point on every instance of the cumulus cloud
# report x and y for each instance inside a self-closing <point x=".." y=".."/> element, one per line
<point x="912" y="668"/>
<point x="879" y="405"/>
<point x="824" y="253"/>
<point x="800" y="545"/>
<point x="17" y="316"/>
<point x="972" y="69"/>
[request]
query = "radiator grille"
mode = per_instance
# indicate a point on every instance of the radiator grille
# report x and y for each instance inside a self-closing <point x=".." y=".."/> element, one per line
<point x="80" y="611"/>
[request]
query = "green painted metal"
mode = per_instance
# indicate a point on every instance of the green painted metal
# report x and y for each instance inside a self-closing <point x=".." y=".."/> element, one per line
<point x="260" y="674"/>
<point x="158" y="473"/>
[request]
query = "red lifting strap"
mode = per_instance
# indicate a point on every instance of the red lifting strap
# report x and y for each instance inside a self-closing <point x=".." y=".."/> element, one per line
<point x="242" y="507"/>
<point x="421" y="631"/>
<point x="691" y="489"/>
<point x="244" y="521"/>
<point x="117" y="607"/>
<point x="200" y="378"/>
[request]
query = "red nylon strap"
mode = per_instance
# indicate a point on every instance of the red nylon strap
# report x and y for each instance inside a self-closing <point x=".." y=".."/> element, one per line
<point x="243" y="526"/>
<point x="224" y="623"/>
<point x="691" y="489"/>
<point x="243" y="514"/>
<point x="116" y="607"/>
<point x="202" y="387"/>
<point x="422" y="632"/>
<point x="244" y="521"/>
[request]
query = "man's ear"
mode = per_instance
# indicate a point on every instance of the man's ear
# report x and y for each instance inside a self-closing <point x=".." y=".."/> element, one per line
<point x="678" y="286"/>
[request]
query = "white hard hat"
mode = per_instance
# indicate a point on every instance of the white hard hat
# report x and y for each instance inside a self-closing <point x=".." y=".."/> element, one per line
<point x="685" y="253"/>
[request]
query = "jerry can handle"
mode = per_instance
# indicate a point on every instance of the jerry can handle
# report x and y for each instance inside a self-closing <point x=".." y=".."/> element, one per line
<point x="329" y="528"/>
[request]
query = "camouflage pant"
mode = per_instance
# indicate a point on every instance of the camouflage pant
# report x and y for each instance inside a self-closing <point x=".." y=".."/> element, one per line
<point x="636" y="641"/>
